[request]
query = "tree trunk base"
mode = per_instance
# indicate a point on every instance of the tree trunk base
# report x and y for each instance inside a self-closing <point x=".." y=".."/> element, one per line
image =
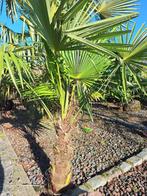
<point x="61" y="172"/>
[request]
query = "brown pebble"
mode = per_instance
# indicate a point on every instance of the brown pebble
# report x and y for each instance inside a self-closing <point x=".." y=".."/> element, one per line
<point x="7" y="125"/>
<point x="129" y="189"/>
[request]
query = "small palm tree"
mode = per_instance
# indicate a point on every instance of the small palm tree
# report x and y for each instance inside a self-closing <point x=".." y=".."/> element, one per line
<point x="78" y="47"/>
<point x="67" y="26"/>
<point x="131" y="62"/>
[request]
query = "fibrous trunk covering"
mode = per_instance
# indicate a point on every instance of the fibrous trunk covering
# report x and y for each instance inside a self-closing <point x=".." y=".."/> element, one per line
<point x="63" y="152"/>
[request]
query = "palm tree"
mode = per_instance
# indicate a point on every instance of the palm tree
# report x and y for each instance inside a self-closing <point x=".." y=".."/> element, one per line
<point x="131" y="63"/>
<point x="66" y="26"/>
<point x="78" y="47"/>
<point x="14" y="70"/>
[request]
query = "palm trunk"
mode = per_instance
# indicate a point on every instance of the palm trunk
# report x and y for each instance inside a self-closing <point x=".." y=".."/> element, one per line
<point x="63" y="152"/>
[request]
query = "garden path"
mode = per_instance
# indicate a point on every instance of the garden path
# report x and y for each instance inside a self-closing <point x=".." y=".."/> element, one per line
<point x="13" y="179"/>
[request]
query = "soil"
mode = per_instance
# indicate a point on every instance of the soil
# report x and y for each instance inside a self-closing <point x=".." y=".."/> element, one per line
<point x="108" y="144"/>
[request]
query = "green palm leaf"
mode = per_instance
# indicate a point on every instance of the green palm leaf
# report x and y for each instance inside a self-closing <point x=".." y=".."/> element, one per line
<point x="110" y="8"/>
<point x="133" y="61"/>
<point x="56" y="32"/>
<point x="84" y="66"/>
<point x="14" y="66"/>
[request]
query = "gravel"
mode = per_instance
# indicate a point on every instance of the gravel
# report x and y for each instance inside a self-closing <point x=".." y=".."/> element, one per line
<point x="132" y="183"/>
<point x="102" y="148"/>
<point x="94" y="152"/>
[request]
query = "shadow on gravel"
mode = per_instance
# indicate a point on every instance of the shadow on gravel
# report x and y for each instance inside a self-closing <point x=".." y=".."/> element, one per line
<point x="40" y="156"/>
<point x="1" y="177"/>
<point x="133" y="127"/>
<point x="29" y="124"/>
<point x="74" y="191"/>
<point x="23" y="119"/>
<point x="144" y="123"/>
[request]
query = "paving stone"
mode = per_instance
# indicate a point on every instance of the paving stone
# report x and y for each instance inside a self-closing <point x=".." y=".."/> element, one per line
<point x="143" y="154"/>
<point x="14" y="181"/>
<point x="86" y="187"/>
<point x="134" y="161"/>
<point x="124" y="167"/>
<point x="97" y="181"/>
<point x="112" y="173"/>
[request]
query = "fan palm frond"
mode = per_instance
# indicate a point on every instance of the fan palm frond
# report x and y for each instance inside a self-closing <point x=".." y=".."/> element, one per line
<point x="132" y="62"/>
<point x="14" y="66"/>
<point x="67" y="28"/>
<point x="84" y="66"/>
<point x="111" y="8"/>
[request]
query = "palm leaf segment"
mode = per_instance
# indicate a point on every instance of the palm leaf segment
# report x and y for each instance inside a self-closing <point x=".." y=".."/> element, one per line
<point x="68" y="24"/>
<point x="14" y="66"/>
<point x="132" y="62"/>
<point x="136" y="59"/>
<point x="12" y="7"/>
<point x="110" y="8"/>
<point x="84" y="67"/>
<point x="84" y="70"/>
<point x="9" y="36"/>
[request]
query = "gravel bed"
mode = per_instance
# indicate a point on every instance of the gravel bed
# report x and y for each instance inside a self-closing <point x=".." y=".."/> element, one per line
<point x="103" y="148"/>
<point x="132" y="183"/>
<point x="94" y="152"/>
<point x="139" y="117"/>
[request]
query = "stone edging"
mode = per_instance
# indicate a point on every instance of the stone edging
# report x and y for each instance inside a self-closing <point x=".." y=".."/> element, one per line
<point x="100" y="180"/>
<point x="20" y="184"/>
